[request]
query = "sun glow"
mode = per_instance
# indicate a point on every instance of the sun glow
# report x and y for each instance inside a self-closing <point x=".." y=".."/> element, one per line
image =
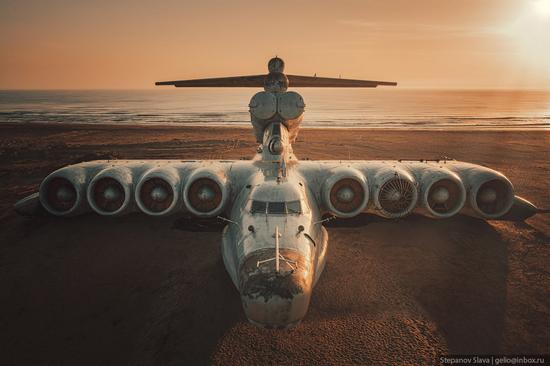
<point x="541" y="8"/>
<point x="531" y="30"/>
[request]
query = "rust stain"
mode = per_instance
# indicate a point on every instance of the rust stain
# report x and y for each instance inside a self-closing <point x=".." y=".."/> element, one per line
<point x="294" y="277"/>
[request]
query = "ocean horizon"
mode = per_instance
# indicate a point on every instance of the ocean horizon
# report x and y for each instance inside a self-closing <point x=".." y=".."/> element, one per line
<point x="390" y="108"/>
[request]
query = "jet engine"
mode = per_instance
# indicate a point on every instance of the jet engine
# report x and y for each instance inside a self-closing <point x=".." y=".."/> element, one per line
<point x="290" y="106"/>
<point x="263" y="105"/>
<point x="395" y="193"/>
<point x="443" y="194"/>
<point x="62" y="192"/>
<point x="345" y="192"/>
<point x="285" y="107"/>
<point x="206" y="193"/>
<point x="157" y="193"/>
<point x="491" y="195"/>
<point x="110" y="191"/>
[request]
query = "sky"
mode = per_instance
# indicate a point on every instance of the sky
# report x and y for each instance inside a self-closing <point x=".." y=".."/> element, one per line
<point x="462" y="44"/>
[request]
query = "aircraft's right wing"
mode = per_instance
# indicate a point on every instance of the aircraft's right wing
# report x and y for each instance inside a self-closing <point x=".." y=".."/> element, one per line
<point x="394" y="189"/>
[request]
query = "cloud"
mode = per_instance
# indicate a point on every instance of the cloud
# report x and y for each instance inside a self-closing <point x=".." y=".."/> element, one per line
<point x="420" y="31"/>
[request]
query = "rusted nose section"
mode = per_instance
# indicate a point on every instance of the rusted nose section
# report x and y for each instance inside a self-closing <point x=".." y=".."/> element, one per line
<point x="271" y="298"/>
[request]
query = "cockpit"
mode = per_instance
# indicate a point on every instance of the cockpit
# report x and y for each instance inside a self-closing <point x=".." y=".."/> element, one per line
<point x="277" y="198"/>
<point x="275" y="208"/>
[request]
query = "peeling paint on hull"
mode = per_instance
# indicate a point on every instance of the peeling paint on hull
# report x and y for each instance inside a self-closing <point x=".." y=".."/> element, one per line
<point x="276" y="299"/>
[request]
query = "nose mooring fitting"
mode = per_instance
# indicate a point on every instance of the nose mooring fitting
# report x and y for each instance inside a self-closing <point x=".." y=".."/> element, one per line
<point x="278" y="256"/>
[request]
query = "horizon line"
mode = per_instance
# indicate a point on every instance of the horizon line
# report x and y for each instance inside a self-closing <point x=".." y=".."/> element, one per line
<point x="209" y="88"/>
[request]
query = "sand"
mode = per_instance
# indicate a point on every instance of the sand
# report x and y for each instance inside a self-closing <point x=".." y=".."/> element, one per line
<point x="92" y="290"/>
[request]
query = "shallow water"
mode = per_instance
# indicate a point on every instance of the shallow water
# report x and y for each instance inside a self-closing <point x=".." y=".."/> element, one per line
<point x="373" y="108"/>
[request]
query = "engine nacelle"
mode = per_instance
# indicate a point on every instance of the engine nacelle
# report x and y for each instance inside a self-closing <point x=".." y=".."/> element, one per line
<point x="263" y="105"/>
<point x="443" y="194"/>
<point x="62" y="192"/>
<point x="491" y="194"/>
<point x="290" y="105"/>
<point x="285" y="107"/>
<point x="158" y="192"/>
<point x="110" y="191"/>
<point x="395" y="193"/>
<point x="206" y="193"/>
<point x="345" y="192"/>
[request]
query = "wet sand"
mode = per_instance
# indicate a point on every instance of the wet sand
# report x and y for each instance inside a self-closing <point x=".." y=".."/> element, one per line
<point x="139" y="290"/>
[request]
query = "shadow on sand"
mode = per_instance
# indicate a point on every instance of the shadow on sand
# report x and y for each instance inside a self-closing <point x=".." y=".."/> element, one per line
<point x="147" y="291"/>
<point x="467" y="297"/>
<point x="458" y="274"/>
<point x="97" y="290"/>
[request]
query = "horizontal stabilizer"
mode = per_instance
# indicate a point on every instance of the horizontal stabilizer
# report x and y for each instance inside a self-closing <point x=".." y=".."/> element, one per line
<point x="258" y="81"/>
<point x="227" y="82"/>
<point x="321" y="82"/>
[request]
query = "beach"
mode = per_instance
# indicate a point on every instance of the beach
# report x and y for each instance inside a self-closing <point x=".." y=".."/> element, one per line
<point x="140" y="290"/>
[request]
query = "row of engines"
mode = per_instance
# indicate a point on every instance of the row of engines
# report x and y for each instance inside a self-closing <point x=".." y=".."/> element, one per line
<point x="434" y="191"/>
<point x="391" y="191"/>
<point x="115" y="190"/>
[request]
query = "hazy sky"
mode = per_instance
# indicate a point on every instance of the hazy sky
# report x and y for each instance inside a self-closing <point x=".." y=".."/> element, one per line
<point x="131" y="44"/>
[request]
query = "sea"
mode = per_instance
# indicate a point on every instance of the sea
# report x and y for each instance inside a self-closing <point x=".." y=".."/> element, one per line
<point x="383" y="107"/>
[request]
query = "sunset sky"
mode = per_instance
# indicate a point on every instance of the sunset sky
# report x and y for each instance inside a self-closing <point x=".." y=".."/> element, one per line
<point x="73" y="44"/>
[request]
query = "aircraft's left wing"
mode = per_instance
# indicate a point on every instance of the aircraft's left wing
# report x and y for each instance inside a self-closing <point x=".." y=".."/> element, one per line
<point x="200" y="189"/>
<point x="394" y="189"/>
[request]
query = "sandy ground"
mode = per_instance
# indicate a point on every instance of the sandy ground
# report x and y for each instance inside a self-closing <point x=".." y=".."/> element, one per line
<point x="138" y="290"/>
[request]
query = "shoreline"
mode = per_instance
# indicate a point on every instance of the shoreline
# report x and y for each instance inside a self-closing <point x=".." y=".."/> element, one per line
<point x="247" y="126"/>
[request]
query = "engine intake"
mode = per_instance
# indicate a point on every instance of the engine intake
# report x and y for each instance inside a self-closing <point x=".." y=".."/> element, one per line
<point x="109" y="192"/>
<point x="346" y="192"/>
<point x="443" y="194"/>
<point x="61" y="192"/>
<point x="206" y="193"/>
<point x="396" y="194"/>
<point x="492" y="198"/>
<point x="157" y="192"/>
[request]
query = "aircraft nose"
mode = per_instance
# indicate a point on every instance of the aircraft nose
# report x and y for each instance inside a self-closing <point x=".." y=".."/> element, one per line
<point x="275" y="298"/>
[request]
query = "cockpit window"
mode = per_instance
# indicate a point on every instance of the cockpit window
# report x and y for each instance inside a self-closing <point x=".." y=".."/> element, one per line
<point x="276" y="208"/>
<point x="294" y="207"/>
<point x="258" y="207"/>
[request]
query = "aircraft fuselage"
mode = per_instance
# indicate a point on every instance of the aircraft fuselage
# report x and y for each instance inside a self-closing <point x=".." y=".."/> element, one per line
<point x="274" y="249"/>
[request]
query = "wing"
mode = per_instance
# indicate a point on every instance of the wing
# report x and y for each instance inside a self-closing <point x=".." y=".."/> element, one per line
<point x="201" y="189"/>
<point x="394" y="189"/>
<point x="225" y="82"/>
<point x="293" y="81"/>
<point x="321" y="82"/>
